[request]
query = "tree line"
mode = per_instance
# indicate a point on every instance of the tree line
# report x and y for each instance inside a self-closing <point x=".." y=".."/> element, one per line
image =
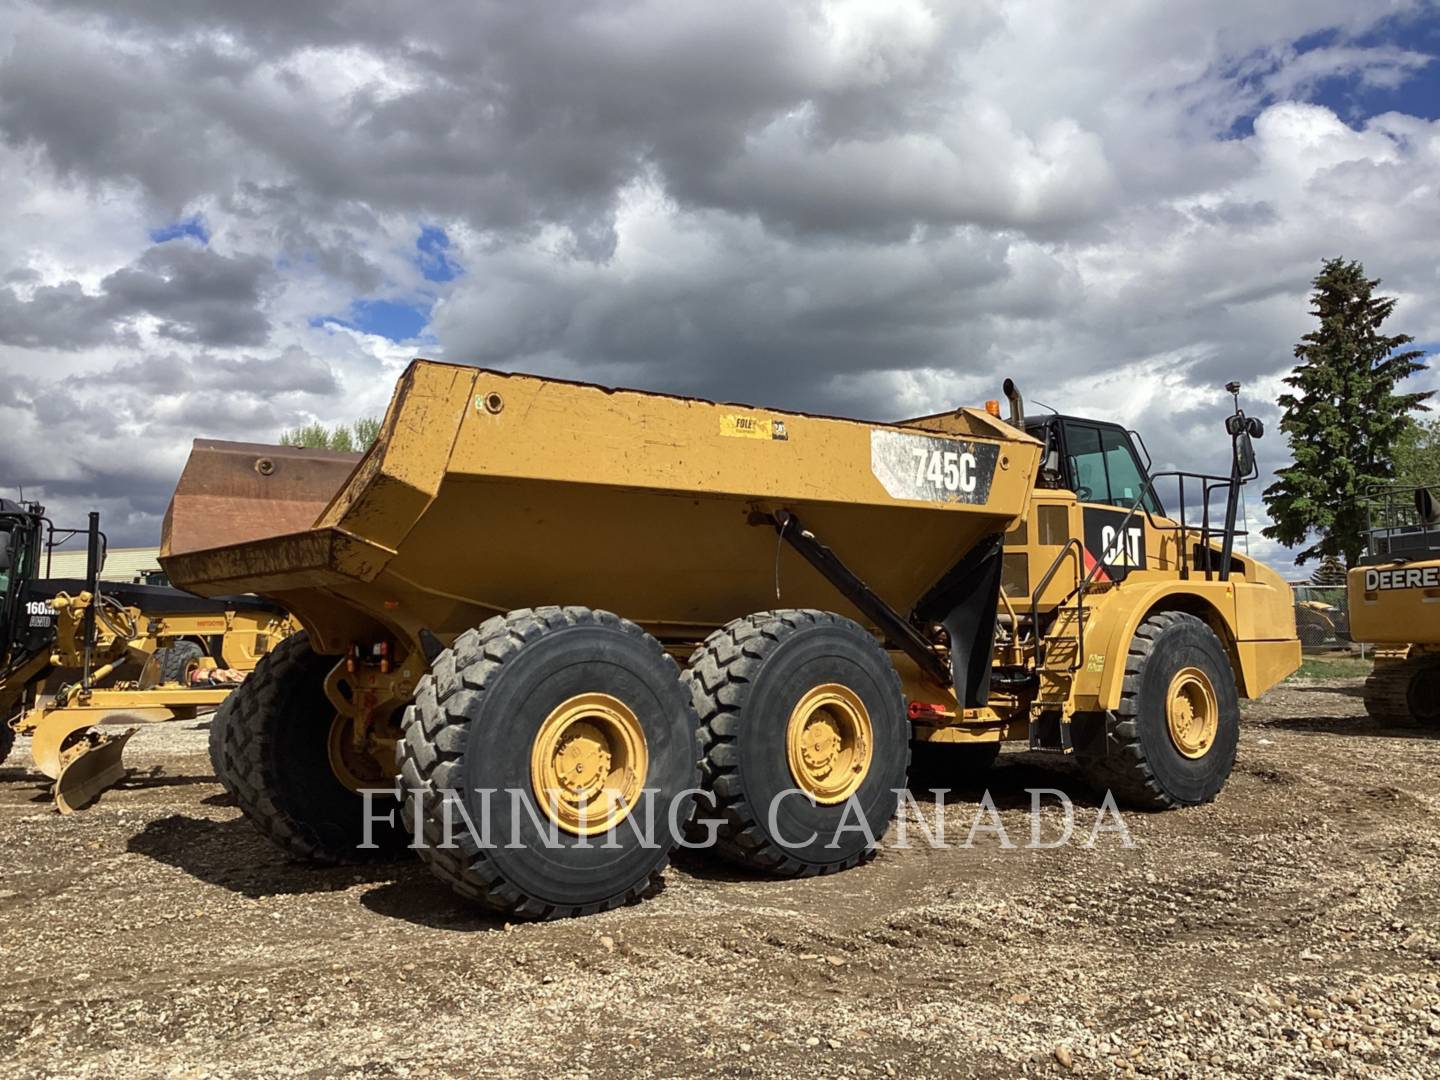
<point x="360" y="435"/>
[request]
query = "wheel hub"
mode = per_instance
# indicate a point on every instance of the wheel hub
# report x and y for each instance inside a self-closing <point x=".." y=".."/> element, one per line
<point x="352" y="765"/>
<point x="1191" y="712"/>
<point x="588" y="763"/>
<point x="829" y="743"/>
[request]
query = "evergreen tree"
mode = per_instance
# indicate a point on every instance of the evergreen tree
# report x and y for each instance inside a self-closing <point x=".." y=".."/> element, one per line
<point x="1331" y="571"/>
<point x="1344" y="417"/>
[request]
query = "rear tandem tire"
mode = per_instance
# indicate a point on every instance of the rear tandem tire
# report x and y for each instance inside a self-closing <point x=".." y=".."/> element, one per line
<point x="7" y="740"/>
<point x="273" y="732"/>
<point x="219" y="758"/>
<point x="580" y="697"/>
<point x="762" y="678"/>
<point x="1144" y="764"/>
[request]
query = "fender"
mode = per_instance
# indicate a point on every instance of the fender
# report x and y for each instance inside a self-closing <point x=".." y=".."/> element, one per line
<point x="1116" y="615"/>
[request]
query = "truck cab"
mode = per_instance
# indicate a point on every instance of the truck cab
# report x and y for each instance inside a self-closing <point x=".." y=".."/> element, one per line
<point x="1097" y="460"/>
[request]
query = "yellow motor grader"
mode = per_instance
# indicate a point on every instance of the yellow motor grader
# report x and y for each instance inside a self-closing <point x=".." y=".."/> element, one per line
<point x="1394" y="601"/>
<point x="79" y="655"/>
<point x="545" y="620"/>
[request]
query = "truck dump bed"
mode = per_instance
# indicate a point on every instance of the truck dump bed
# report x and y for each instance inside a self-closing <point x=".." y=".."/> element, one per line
<point x="489" y="491"/>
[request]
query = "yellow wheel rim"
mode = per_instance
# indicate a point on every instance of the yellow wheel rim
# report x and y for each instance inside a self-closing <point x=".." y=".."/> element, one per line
<point x="351" y="765"/>
<point x="588" y="763"/>
<point x="1191" y="712"/>
<point x="829" y="743"/>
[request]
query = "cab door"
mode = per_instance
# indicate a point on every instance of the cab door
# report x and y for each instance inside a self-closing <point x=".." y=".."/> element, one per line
<point x="1108" y="479"/>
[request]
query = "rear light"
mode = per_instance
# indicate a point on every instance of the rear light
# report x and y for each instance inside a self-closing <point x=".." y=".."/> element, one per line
<point x="924" y="710"/>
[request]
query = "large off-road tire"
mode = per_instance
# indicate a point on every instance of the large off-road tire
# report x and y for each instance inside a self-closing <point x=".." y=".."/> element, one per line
<point x="7" y="740"/>
<point x="174" y="661"/>
<point x="781" y="696"/>
<point x="219" y="747"/>
<point x="950" y="766"/>
<point x="1405" y="691"/>
<point x="567" y="701"/>
<point x="275" y="759"/>
<point x="1160" y="752"/>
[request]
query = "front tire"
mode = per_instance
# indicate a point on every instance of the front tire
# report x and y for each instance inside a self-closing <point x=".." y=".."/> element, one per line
<point x="570" y="702"/>
<point x="1175" y="734"/>
<point x="805" y="731"/>
<point x="7" y="740"/>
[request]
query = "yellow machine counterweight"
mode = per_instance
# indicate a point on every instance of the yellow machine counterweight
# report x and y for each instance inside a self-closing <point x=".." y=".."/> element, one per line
<point x="1394" y="602"/>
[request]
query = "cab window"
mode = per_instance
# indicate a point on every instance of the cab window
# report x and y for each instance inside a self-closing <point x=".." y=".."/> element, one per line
<point x="1103" y="466"/>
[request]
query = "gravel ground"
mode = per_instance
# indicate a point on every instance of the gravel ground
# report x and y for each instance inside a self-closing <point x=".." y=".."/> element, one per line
<point x="1292" y="928"/>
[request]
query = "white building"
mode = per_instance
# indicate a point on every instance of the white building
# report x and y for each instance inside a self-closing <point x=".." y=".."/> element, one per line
<point x="121" y="564"/>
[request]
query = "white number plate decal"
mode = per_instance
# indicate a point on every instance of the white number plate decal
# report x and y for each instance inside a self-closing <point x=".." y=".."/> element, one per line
<point x="929" y="468"/>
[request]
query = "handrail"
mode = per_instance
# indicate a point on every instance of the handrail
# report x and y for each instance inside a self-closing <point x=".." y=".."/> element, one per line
<point x="1014" y="625"/>
<point x="1210" y="483"/>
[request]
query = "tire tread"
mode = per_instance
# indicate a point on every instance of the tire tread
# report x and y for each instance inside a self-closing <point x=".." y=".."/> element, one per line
<point x="728" y="660"/>
<point x="431" y="753"/>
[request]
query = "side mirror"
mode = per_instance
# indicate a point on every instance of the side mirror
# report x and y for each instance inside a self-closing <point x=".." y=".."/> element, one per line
<point x="1244" y="453"/>
<point x="1242" y="429"/>
<point x="1426" y="506"/>
<point x="4" y="552"/>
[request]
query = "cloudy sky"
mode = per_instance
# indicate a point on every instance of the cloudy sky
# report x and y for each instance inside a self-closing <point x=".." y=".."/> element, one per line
<point x="226" y="219"/>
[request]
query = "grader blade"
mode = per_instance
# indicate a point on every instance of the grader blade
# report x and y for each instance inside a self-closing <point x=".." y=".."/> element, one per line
<point x="54" y="732"/>
<point x="90" y="769"/>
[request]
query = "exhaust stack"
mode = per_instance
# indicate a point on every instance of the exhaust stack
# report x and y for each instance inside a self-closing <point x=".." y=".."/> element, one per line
<point x="1017" y="403"/>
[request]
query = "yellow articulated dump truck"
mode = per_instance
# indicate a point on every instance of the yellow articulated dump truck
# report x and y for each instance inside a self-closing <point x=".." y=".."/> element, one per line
<point x="564" y="624"/>
<point x="1394" y="601"/>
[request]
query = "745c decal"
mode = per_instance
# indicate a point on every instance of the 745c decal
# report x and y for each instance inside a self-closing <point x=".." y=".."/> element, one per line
<point x="930" y="468"/>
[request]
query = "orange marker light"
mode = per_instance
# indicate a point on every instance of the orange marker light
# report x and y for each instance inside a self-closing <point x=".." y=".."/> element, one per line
<point x="993" y="408"/>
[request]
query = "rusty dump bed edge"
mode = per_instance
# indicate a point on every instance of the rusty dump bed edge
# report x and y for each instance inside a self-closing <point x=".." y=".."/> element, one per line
<point x="238" y="492"/>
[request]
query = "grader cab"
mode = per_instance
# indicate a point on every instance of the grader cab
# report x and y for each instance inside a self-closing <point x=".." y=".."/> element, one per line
<point x="563" y="627"/>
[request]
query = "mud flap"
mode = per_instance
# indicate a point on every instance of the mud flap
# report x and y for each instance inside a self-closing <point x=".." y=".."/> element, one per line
<point x="89" y="769"/>
<point x="965" y="601"/>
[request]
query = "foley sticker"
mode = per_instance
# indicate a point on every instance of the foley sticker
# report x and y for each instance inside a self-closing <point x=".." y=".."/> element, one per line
<point x="929" y="468"/>
<point x="749" y="426"/>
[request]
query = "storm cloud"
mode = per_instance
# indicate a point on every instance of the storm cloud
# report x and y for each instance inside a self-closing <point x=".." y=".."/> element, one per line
<point x="193" y="294"/>
<point x="247" y="216"/>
